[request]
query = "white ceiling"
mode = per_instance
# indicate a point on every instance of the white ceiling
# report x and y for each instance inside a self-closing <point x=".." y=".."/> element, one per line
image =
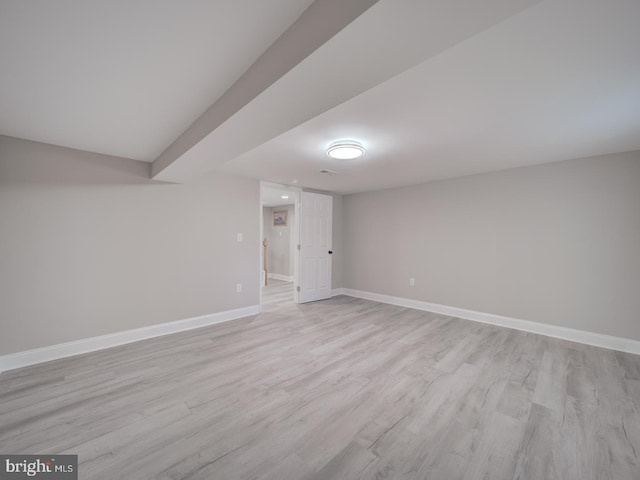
<point x="387" y="39"/>
<point x="272" y="197"/>
<point x="560" y="80"/>
<point x="433" y="88"/>
<point x="125" y="77"/>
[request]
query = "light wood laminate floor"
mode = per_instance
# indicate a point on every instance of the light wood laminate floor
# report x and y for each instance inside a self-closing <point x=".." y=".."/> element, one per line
<point x="338" y="389"/>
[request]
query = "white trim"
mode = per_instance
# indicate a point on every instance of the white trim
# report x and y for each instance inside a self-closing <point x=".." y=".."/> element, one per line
<point x="338" y="291"/>
<point x="77" y="347"/>
<point x="564" y="333"/>
<point x="284" y="278"/>
<point x="261" y="248"/>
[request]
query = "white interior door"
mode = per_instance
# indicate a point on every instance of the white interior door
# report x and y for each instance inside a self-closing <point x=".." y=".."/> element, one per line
<point x="316" y="212"/>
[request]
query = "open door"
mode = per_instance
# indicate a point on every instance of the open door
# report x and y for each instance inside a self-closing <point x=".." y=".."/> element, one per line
<point x="315" y="214"/>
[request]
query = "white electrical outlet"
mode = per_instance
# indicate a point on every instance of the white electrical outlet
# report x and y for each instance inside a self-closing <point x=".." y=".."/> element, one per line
<point x="238" y="287"/>
<point x="412" y="282"/>
<point x="239" y="237"/>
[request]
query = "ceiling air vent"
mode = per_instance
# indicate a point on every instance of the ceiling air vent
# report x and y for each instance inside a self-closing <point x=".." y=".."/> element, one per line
<point x="327" y="172"/>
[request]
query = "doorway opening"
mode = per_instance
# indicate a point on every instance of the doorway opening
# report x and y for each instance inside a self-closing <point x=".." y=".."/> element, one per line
<point x="279" y="245"/>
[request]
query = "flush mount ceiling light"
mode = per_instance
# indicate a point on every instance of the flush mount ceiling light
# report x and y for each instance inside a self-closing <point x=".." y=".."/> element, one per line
<point x="345" y="150"/>
<point x="284" y="197"/>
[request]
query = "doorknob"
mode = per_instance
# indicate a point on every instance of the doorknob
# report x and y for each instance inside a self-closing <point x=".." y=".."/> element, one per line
<point x="330" y="252"/>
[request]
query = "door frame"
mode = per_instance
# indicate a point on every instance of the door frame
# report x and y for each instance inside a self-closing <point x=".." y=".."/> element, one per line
<point x="296" y="191"/>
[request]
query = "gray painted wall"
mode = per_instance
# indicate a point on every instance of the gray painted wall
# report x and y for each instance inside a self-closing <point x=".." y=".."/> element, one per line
<point x="556" y="243"/>
<point x="90" y="246"/>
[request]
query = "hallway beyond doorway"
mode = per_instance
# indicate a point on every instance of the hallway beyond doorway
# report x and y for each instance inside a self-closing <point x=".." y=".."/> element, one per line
<point x="277" y="295"/>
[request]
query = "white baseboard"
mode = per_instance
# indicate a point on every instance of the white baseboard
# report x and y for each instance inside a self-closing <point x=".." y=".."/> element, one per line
<point x="338" y="291"/>
<point x="77" y="347"/>
<point x="564" y="333"/>
<point x="284" y="278"/>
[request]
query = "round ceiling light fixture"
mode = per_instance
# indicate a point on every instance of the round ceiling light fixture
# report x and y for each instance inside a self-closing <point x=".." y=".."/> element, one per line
<point x="345" y="150"/>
